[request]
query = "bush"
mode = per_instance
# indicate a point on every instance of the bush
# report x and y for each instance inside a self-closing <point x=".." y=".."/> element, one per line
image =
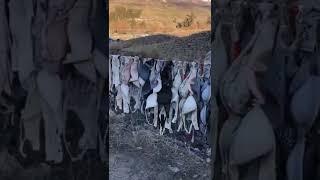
<point x="187" y="22"/>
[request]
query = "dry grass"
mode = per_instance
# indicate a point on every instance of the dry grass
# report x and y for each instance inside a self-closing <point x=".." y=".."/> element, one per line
<point x="158" y="18"/>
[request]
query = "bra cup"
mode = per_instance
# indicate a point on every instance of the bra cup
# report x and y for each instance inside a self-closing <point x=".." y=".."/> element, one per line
<point x="141" y="81"/>
<point x="143" y="71"/>
<point x="151" y="101"/>
<point x="189" y="106"/>
<point x="134" y="71"/>
<point x="175" y="95"/>
<point x="226" y="136"/>
<point x="183" y="89"/>
<point x="206" y="94"/>
<point x="181" y="103"/>
<point x="203" y="114"/>
<point x="177" y="81"/>
<point x="115" y="70"/>
<point x="306" y="102"/>
<point x="158" y="87"/>
<point x="254" y="138"/>
<point x="125" y="89"/>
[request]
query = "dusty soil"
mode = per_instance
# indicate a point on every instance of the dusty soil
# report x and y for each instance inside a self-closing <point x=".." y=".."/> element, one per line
<point x="138" y="152"/>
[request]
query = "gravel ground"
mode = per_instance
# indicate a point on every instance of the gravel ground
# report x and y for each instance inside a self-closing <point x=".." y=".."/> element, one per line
<point x="189" y="48"/>
<point x="138" y="152"/>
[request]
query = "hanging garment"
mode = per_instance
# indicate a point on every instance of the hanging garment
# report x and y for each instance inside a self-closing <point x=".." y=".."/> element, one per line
<point x="4" y="30"/>
<point x="164" y="123"/>
<point x="164" y="96"/>
<point x="5" y="68"/>
<point x="100" y="64"/>
<point x="135" y="93"/>
<point x="309" y="22"/>
<point x="79" y="35"/>
<point x="135" y="90"/>
<point x="185" y="66"/>
<point x="305" y="107"/>
<point x="196" y="84"/>
<point x="185" y="92"/>
<point x="81" y="99"/>
<point x="87" y="69"/>
<point x="125" y="97"/>
<point x="144" y="71"/>
<point x="134" y="71"/>
<point x="155" y="78"/>
<point x="181" y="120"/>
<point x="110" y="73"/>
<point x="207" y="66"/>
<point x="241" y="148"/>
<point x="51" y="108"/>
<point x="158" y="87"/>
<point x="184" y="88"/>
<point x="260" y="46"/>
<point x="115" y="70"/>
<point x="300" y="77"/>
<point x="55" y="33"/>
<point x="125" y="71"/>
<point x="205" y="97"/>
<point x="152" y="103"/>
<point x="227" y="134"/>
<point x="119" y="98"/>
<point x="175" y="95"/>
<point x="21" y="13"/>
<point x="190" y="107"/>
<point x="145" y="92"/>
<point x="220" y="62"/>
<point x="31" y="117"/>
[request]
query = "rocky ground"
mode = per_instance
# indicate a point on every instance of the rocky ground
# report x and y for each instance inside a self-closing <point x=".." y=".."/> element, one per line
<point x="138" y="152"/>
<point x="188" y="48"/>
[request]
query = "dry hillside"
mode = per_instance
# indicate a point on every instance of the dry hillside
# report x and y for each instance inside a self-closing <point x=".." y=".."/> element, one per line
<point x="158" y="17"/>
<point x="187" y="48"/>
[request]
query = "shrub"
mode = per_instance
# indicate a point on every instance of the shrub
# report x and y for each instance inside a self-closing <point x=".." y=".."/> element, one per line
<point x="187" y="22"/>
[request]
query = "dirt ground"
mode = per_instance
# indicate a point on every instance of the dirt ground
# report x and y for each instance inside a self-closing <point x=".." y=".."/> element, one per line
<point x="138" y="152"/>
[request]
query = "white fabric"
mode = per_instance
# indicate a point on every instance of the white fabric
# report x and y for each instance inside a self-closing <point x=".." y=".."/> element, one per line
<point x="206" y="94"/>
<point x="110" y="73"/>
<point x="152" y="101"/>
<point x="134" y="70"/>
<point x="119" y="98"/>
<point x="115" y="70"/>
<point x="203" y="115"/>
<point x="189" y="106"/>
<point x="141" y="81"/>
<point x="125" y="97"/>
<point x="158" y="87"/>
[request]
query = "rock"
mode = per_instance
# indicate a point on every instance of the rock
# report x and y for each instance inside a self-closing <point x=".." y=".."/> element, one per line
<point x="174" y="169"/>
<point x="195" y="176"/>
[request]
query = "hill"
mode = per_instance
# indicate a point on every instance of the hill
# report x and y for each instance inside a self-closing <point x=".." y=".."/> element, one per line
<point x="188" y="48"/>
<point x="132" y="18"/>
